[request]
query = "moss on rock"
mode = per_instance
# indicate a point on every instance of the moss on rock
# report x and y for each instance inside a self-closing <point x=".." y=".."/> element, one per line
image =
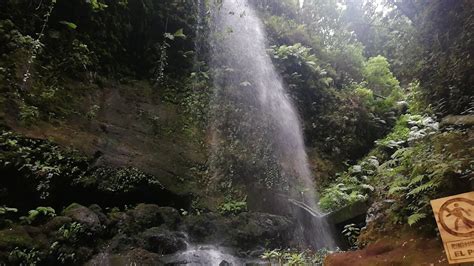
<point x="16" y="237"/>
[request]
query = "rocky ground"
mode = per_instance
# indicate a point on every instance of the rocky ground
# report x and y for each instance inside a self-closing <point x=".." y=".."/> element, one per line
<point x="142" y="234"/>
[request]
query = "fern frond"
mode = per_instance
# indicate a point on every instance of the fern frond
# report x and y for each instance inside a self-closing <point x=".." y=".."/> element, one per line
<point x="417" y="179"/>
<point x="392" y="190"/>
<point x="415" y="218"/>
<point x="367" y="186"/>
<point x="434" y="183"/>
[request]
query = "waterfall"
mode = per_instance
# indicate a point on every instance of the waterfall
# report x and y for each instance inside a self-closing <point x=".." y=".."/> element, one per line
<point x="257" y="140"/>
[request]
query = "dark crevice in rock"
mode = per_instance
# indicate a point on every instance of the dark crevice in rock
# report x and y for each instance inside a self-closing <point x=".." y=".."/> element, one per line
<point x="19" y="192"/>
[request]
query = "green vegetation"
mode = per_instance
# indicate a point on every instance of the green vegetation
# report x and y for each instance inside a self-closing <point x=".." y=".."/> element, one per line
<point x="71" y="232"/>
<point x="351" y="232"/>
<point x="293" y="257"/>
<point x="25" y="256"/>
<point x="233" y="207"/>
<point x="372" y="86"/>
<point x="48" y="168"/>
<point x="378" y="76"/>
<point x="39" y="212"/>
<point x="4" y="210"/>
<point x="40" y="161"/>
<point x="412" y="165"/>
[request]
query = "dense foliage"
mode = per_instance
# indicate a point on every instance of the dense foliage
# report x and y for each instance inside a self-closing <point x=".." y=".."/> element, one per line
<point x="412" y="165"/>
<point x="43" y="170"/>
<point x="371" y="81"/>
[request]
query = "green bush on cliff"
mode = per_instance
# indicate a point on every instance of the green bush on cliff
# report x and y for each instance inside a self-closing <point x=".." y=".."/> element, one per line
<point x="233" y="207"/>
<point x="122" y="179"/>
<point x="40" y="161"/>
<point x="429" y="169"/>
<point x="295" y="257"/>
<point x="413" y="164"/>
<point x="38" y="213"/>
<point x="71" y="232"/>
<point x="399" y="134"/>
<point x="379" y="77"/>
<point x="45" y="167"/>
<point x="25" y="256"/>
<point x="352" y="186"/>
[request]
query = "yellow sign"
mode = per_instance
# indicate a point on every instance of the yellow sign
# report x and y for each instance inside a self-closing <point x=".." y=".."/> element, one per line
<point x="455" y="218"/>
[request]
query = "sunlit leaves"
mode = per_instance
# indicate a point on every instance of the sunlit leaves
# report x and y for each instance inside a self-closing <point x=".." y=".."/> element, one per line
<point x="96" y="5"/>
<point x="68" y="24"/>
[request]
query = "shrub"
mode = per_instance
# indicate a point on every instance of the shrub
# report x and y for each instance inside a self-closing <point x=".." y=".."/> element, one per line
<point x="351" y="232"/>
<point x="25" y="256"/>
<point x="379" y="77"/>
<point x="295" y="257"/>
<point x="38" y="213"/>
<point x="414" y="164"/>
<point x="233" y="207"/>
<point x="71" y="232"/>
<point x="40" y="161"/>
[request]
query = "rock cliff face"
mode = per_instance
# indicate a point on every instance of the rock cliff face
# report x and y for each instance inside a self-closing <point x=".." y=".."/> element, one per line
<point x="132" y="126"/>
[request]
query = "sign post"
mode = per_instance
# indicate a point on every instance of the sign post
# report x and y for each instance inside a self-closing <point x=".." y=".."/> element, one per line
<point x="455" y="218"/>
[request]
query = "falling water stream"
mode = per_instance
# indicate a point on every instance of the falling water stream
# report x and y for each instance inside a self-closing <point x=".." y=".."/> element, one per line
<point x="257" y="137"/>
<point x="256" y="120"/>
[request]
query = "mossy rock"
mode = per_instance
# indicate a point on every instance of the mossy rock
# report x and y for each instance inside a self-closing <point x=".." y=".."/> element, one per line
<point x="202" y="227"/>
<point x="16" y="237"/>
<point x="171" y="217"/>
<point x="55" y="223"/>
<point x="250" y="229"/>
<point x="162" y="241"/>
<point x="120" y="243"/>
<point x="245" y="231"/>
<point x="83" y="215"/>
<point x="142" y="256"/>
<point x="104" y="220"/>
<point x="150" y="215"/>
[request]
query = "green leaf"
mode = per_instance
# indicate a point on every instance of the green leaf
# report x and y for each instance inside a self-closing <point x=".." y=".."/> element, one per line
<point x="4" y="210"/>
<point x="417" y="179"/>
<point x="69" y="24"/>
<point x="179" y="34"/>
<point x="394" y="189"/>
<point x="416" y="217"/>
<point x="367" y="186"/>
<point x="96" y="5"/>
<point x="429" y="185"/>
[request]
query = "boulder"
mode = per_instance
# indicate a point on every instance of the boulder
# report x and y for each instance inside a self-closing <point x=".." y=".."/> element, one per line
<point x="245" y="231"/>
<point x="202" y="228"/>
<point x="136" y="256"/>
<point x="83" y="215"/>
<point x="100" y="214"/>
<point x="458" y="120"/>
<point x="170" y="216"/>
<point x="120" y="243"/>
<point x="55" y="223"/>
<point x="162" y="241"/>
<point x="15" y="237"/>
<point x="250" y="229"/>
<point x="146" y="216"/>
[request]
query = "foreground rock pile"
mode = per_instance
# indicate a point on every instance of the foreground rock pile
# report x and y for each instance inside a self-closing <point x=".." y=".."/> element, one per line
<point x="144" y="233"/>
